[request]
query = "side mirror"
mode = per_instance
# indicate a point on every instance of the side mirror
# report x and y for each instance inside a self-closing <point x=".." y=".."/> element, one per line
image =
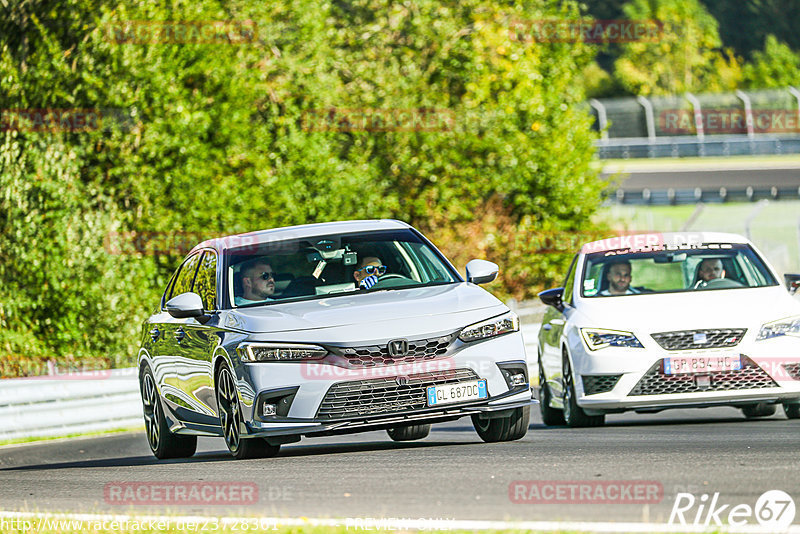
<point x="481" y="271"/>
<point x="792" y="282"/>
<point x="185" y="305"/>
<point x="552" y="297"/>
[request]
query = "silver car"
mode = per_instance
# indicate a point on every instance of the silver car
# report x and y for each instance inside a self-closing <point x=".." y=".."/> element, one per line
<point x="326" y="329"/>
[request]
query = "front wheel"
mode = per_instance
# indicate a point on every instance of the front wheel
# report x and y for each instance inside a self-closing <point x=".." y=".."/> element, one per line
<point x="231" y="420"/>
<point x="574" y="416"/>
<point x="163" y="443"/>
<point x="509" y="428"/>
<point x="758" y="410"/>
<point x="550" y="416"/>
<point x="408" y="432"/>
<point x="792" y="411"/>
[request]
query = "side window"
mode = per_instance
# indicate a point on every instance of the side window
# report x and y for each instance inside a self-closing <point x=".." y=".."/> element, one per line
<point x="183" y="282"/>
<point x="205" y="284"/>
<point x="569" y="284"/>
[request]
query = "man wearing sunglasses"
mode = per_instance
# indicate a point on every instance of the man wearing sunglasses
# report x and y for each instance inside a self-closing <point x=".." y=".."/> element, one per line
<point x="368" y="271"/>
<point x="258" y="282"/>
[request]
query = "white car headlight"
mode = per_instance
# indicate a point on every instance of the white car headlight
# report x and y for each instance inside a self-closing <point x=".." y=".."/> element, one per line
<point x="279" y="352"/>
<point x="790" y="326"/>
<point x="504" y="324"/>
<point x="599" y="338"/>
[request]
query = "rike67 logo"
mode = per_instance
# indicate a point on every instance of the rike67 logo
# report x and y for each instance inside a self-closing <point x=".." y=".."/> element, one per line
<point x="774" y="510"/>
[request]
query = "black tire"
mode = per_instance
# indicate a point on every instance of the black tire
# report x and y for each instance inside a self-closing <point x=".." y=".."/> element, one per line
<point x="792" y="411"/>
<point x="574" y="416"/>
<point x="163" y="443"/>
<point x="550" y="416"/>
<point x="408" y="432"/>
<point x="231" y="421"/>
<point x="509" y="428"/>
<point x="759" y="410"/>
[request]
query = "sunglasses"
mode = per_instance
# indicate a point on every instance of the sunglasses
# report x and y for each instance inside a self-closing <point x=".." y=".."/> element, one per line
<point x="267" y="276"/>
<point x="374" y="269"/>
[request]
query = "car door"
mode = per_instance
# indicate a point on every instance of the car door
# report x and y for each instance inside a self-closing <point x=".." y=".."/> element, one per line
<point x="195" y="342"/>
<point x="553" y="324"/>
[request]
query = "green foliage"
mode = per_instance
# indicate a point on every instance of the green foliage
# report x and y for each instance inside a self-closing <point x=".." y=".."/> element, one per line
<point x="219" y="138"/>
<point x="776" y="66"/>
<point x="686" y="57"/>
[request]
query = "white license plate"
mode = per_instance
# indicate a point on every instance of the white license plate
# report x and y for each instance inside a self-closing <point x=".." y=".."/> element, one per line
<point x="461" y="392"/>
<point x="707" y="363"/>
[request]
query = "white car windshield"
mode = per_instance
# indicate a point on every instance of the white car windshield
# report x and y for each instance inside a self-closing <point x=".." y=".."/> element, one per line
<point x="708" y="266"/>
<point x="327" y="266"/>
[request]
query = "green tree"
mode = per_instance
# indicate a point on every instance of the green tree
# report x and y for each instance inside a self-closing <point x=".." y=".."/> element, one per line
<point x="776" y="66"/>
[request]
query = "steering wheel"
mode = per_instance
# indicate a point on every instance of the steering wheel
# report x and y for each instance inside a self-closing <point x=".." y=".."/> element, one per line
<point x="719" y="283"/>
<point x="387" y="278"/>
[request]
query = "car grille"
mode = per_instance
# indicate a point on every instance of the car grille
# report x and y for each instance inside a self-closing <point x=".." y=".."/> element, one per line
<point x="378" y="355"/>
<point x="793" y="369"/>
<point x="599" y="383"/>
<point x="750" y="376"/>
<point x="385" y="395"/>
<point x="715" y="338"/>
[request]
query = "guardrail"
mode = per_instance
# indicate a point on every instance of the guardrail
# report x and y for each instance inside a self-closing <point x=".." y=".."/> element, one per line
<point x="51" y="406"/>
<point x="60" y="405"/>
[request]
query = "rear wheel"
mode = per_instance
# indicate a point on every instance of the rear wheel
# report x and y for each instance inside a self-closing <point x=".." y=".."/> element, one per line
<point x="792" y="411"/>
<point x="758" y="410"/>
<point x="509" y="428"/>
<point x="574" y="416"/>
<point x="550" y="416"/>
<point x="408" y="432"/>
<point x="163" y="443"/>
<point x="231" y="420"/>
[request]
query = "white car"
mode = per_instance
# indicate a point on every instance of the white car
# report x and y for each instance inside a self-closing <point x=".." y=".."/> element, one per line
<point x="323" y="329"/>
<point x="698" y="320"/>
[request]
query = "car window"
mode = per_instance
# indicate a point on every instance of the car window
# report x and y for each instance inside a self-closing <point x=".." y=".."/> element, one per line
<point x="183" y="282"/>
<point x="205" y="284"/>
<point x="569" y="283"/>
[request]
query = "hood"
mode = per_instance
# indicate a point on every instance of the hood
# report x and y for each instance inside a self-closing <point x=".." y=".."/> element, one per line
<point x="723" y="308"/>
<point x="379" y="315"/>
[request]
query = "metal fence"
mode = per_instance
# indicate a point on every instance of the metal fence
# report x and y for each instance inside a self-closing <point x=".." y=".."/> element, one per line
<point x="726" y="124"/>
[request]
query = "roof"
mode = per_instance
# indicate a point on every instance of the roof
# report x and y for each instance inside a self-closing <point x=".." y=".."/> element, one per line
<point x="299" y="232"/>
<point x="644" y="240"/>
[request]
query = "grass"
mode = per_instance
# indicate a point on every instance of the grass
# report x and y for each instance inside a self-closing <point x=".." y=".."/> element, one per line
<point x="715" y="162"/>
<point x="19" y="441"/>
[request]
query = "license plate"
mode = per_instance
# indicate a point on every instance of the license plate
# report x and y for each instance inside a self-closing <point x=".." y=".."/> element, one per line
<point x="461" y="392"/>
<point x="707" y="363"/>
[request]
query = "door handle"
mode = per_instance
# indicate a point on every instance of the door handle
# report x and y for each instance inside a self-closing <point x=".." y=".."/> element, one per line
<point x="154" y="333"/>
<point x="179" y="335"/>
<point x="557" y="322"/>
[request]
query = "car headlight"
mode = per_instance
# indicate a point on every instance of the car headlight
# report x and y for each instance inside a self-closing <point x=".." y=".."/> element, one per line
<point x="490" y="328"/>
<point x="789" y="326"/>
<point x="279" y="352"/>
<point x="598" y="338"/>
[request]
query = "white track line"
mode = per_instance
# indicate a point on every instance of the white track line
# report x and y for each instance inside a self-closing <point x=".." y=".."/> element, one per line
<point x="391" y="524"/>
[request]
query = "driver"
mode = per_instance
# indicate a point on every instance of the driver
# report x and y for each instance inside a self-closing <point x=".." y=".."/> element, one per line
<point x="258" y="282"/>
<point x="711" y="269"/>
<point x="368" y="271"/>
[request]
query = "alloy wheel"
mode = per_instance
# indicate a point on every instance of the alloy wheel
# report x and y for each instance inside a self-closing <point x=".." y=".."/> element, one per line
<point x="229" y="410"/>
<point x="152" y="411"/>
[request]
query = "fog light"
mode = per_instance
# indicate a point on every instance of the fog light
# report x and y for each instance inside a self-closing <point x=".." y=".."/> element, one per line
<point x="269" y="409"/>
<point x="518" y="380"/>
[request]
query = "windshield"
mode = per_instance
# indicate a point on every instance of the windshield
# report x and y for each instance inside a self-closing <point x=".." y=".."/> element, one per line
<point x="702" y="267"/>
<point x="333" y="265"/>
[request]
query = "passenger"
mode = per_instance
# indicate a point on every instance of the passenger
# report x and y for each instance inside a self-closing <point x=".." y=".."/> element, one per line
<point x="257" y="282"/>
<point x="368" y="271"/>
<point x="618" y="276"/>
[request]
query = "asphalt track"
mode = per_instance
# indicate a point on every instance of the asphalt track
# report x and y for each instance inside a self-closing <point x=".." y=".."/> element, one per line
<point x="449" y="475"/>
